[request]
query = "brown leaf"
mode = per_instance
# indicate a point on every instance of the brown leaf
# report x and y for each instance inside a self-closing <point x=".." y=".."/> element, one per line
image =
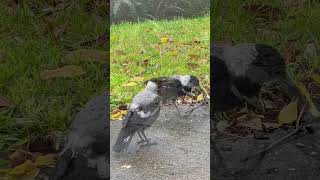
<point x="4" y="102"/>
<point x="264" y="12"/>
<point x="270" y="125"/>
<point x="89" y="55"/>
<point x="65" y="71"/>
<point x="98" y="41"/>
<point x="250" y="120"/>
<point x="18" y="157"/>
<point x="291" y="51"/>
<point x="3" y="56"/>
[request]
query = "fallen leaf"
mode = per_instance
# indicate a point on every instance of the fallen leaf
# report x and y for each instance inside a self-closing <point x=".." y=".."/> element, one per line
<point x="119" y="114"/>
<point x="164" y="40"/>
<point x="289" y="113"/>
<point x="65" y="71"/>
<point x="2" y="56"/>
<point x="25" y="170"/>
<point x="92" y="55"/>
<point x="137" y="79"/>
<point x="253" y="122"/>
<point x="291" y="51"/>
<point x="129" y="84"/>
<point x="200" y="97"/>
<point x="46" y="160"/>
<point x="270" y="126"/>
<point x="316" y="79"/>
<point x="17" y="158"/>
<point x="4" y="102"/>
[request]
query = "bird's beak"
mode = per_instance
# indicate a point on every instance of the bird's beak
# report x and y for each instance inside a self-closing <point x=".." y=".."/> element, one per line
<point x="201" y="90"/>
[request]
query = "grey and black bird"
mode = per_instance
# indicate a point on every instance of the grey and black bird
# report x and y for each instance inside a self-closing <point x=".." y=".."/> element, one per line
<point x="239" y="72"/>
<point x="85" y="154"/>
<point x="143" y="111"/>
<point x="171" y="88"/>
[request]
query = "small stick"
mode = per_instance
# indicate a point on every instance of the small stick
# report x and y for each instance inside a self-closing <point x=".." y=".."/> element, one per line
<point x="278" y="141"/>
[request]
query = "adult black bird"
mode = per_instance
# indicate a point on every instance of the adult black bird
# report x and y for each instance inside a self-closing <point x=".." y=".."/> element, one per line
<point x="85" y="154"/>
<point x="243" y="69"/>
<point x="143" y="111"/>
<point x="170" y="88"/>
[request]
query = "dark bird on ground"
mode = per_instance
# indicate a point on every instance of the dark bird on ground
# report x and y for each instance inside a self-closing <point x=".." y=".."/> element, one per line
<point x="86" y="152"/>
<point x="239" y="72"/>
<point x="171" y="88"/>
<point x="143" y="111"/>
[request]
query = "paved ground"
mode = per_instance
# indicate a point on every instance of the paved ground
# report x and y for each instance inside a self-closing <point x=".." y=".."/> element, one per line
<point x="297" y="158"/>
<point x="182" y="153"/>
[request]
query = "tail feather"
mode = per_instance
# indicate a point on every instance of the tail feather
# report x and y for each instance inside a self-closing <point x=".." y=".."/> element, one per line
<point x="124" y="138"/>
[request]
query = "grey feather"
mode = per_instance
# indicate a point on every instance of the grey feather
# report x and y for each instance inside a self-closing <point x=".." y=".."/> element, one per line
<point x="144" y="110"/>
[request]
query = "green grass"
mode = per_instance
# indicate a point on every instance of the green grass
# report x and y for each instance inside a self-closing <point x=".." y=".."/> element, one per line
<point x="136" y="51"/>
<point x="42" y="107"/>
<point x="231" y="22"/>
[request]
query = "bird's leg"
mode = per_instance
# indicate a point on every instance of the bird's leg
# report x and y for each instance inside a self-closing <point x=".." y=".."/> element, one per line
<point x="175" y="105"/>
<point x="188" y="113"/>
<point x="141" y="137"/>
<point x="148" y="140"/>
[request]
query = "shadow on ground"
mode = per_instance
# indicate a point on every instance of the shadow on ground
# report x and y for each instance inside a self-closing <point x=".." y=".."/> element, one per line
<point x="182" y="152"/>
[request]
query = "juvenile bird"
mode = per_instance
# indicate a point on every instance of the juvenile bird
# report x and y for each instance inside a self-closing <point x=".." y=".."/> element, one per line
<point x="143" y="111"/>
<point x="170" y="88"/>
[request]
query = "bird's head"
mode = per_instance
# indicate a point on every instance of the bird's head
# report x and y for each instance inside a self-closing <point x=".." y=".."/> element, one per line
<point x="191" y="84"/>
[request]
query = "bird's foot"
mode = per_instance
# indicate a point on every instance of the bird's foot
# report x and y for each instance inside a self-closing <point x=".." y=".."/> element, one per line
<point x="149" y="143"/>
<point x="142" y="141"/>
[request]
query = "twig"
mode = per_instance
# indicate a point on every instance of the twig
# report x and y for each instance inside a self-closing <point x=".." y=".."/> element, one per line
<point x="278" y="141"/>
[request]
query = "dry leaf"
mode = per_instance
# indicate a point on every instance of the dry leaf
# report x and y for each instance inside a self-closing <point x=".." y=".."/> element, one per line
<point x="2" y="56"/>
<point x="65" y="71"/>
<point x="200" y="97"/>
<point x="137" y="79"/>
<point x="46" y="160"/>
<point x="316" y="79"/>
<point x="89" y="55"/>
<point x="164" y="40"/>
<point x="119" y="114"/>
<point x="289" y="113"/>
<point x="25" y="170"/>
<point x="129" y="84"/>
<point x="4" y="102"/>
<point x="253" y="122"/>
<point x="270" y="126"/>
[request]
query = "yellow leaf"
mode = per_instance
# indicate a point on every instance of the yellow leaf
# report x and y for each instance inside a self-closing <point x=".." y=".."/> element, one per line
<point x="200" y="97"/>
<point x="117" y="115"/>
<point x="164" y="40"/>
<point x="25" y="170"/>
<point x="46" y="160"/>
<point x="316" y="79"/>
<point x="124" y="112"/>
<point x="137" y="79"/>
<point x="289" y="113"/>
<point x="65" y="71"/>
<point x="130" y="84"/>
